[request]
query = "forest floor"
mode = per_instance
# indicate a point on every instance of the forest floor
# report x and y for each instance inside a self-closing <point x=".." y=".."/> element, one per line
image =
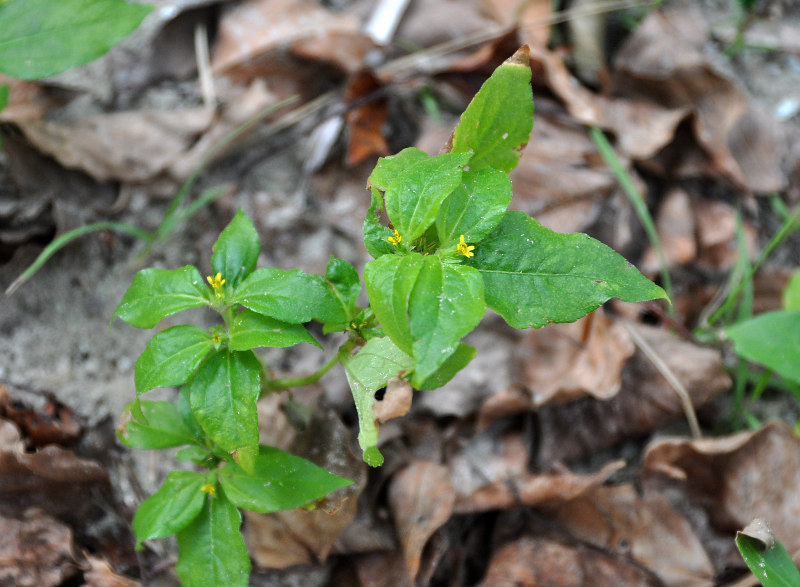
<point x="558" y="456"/>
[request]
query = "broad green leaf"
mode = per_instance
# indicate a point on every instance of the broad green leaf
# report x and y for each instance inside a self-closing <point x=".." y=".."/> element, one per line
<point x="291" y="296"/>
<point x="772" y="566"/>
<point x="157" y="425"/>
<point x="280" y="481"/>
<point x="390" y="168"/>
<point x="452" y="365"/>
<point x="40" y="38"/>
<point x="172" y="507"/>
<point x="445" y="305"/>
<point x="389" y="280"/>
<point x="250" y="330"/>
<point x="475" y="208"/>
<point x="369" y="370"/>
<point x="4" y="91"/>
<point x="533" y="276"/>
<point x="223" y="397"/>
<point x="772" y="339"/>
<point x="791" y="295"/>
<point x="236" y="250"/>
<point x="497" y="123"/>
<point x="171" y="357"/>
<point x="343" y="281"/>
<point x="375" y="233"/>
<point x="414" y="197"/>
<point x="211" y="550"/>
<point x="156" y="293"/>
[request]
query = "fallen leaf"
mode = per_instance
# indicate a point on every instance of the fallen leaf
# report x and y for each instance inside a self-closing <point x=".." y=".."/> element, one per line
<point x="42" y="420"/>
<point x="675" y="225"/>
<point x="421" y="498"/>
<point x="100" y="574"/>
<point x="365" y="119"/>
<point x="529" y="562"/>
<point x="396" y="401"/>
<point x="645" y="528"/>
<point x="36" y="551"/>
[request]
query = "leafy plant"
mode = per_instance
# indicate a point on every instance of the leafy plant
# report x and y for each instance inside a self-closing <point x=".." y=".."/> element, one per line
<point x="446" y="251"/>
<point x="766" y="557"/>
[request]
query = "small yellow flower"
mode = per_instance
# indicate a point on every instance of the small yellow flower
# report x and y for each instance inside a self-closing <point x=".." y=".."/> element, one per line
<point x="216" y="338"/>
<point x="216" y="282"/>
<point x="395" y="239"/>
<point x="464" y="249"/>
<point x="209" y="488"/>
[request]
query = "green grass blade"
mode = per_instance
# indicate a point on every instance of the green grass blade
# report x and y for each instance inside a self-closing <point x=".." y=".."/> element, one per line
<point x="772" y="566"/>
<point x="69" y="236"/>
<point x="629" y="187"/>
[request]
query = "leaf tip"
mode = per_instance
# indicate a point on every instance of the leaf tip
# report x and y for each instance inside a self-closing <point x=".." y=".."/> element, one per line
<point x="522" y="57"/>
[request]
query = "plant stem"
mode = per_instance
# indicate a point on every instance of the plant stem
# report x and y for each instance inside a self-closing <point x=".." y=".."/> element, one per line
<point x="287" y="382"/>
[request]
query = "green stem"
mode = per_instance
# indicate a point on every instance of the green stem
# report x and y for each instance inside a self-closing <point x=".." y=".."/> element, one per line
<point x="287" y="382"/>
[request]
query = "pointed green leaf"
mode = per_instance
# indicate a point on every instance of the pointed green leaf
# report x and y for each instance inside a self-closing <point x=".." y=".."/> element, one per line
<point x="40" y="38"/>
<point x="375" y="233"/>
<point x="280" y="481"/>
<point x="236" y="250"/>
<point x="414" y="197"/>
<point x="369" y="370"/>
<point x="533" y="276"/>
<point x="156" y="425"/>
<point x="497" y="123"/>
<point x="772" y="339"/>
<point x="171" y="357"/>
<point x="211" y="550"/>
<point x="390" y="168"/>
<point x="290" y="296"/>
<point x="772" y="566"/>
<point x="172" y="507"/>
<point x="155" y="294"/>
<point x="475" y="208"/>
<point x="223" y="397"/>
<point x="343" y="281"/>
<point x="389" y="280"/>
<point x="250" y="330"/>
<point x="452" y="365"/>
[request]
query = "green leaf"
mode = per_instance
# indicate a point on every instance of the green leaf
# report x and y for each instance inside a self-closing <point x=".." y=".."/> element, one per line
<point x="40" y="38"/>
<point x="155" y="294"/>
<point x="390" y="168"/>
<point x="791" y="295"/>
<point x="291" y="296"/>
<point x="211" y="550"/>
<point x="375" y="233"/>
<point x="475" y="208"/>
<point x="280" y="481"/>
<point x="171" y="357"/>
<point x="250" y="330"/>
<point x="533" y="276"/>
<point x="445" y="305"/>
<point x="236" y="250"/>
<point x="414" y="197"/>
<point x="389" y="280"/>
<point x="156" y="425"/>
<point x="172" y="507"/>
<point x="343" y="282"/>
<point x="772" y="566"/>
<point x="497" y="123"/>
<point x="452" y="365"/>
<point x="4" y="91"/>
<point x="378" y="361"/>
<point x="772" y="339"/>
<point x="223" y="397"/>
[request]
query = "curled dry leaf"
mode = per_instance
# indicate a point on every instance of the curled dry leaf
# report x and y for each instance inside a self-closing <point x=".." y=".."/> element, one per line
<point x="570" y="361"/>
<point x="125" y="146"/>
<point x="421" y="498"/>
<point x="365" y="119"/>
<point x="100" y="574"/>
<point x="645" y="402"/>
<point x="644" y="528"/>
<point x="36" y="550"/>
<point x="396" y="400"/>
<point x="537" y="561"/>
<point x="737" y="478"/>
<point x="42" y="420"/>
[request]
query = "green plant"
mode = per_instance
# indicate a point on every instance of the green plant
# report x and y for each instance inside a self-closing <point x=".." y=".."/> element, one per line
<point x="449" y="251"/>
<point x="766" y="557"/>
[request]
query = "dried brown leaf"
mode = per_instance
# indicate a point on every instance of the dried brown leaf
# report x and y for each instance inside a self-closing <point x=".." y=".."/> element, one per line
<point x="530" y="562"/>
<point x="396" y="400"/>
<point x="100" y="574"/>
<point x="738" y="477"/>
<point x="645" y="528"/>
<point x="676" y="230"/>
<point x="365" y="121"/>
<point x="421" y="498"/>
